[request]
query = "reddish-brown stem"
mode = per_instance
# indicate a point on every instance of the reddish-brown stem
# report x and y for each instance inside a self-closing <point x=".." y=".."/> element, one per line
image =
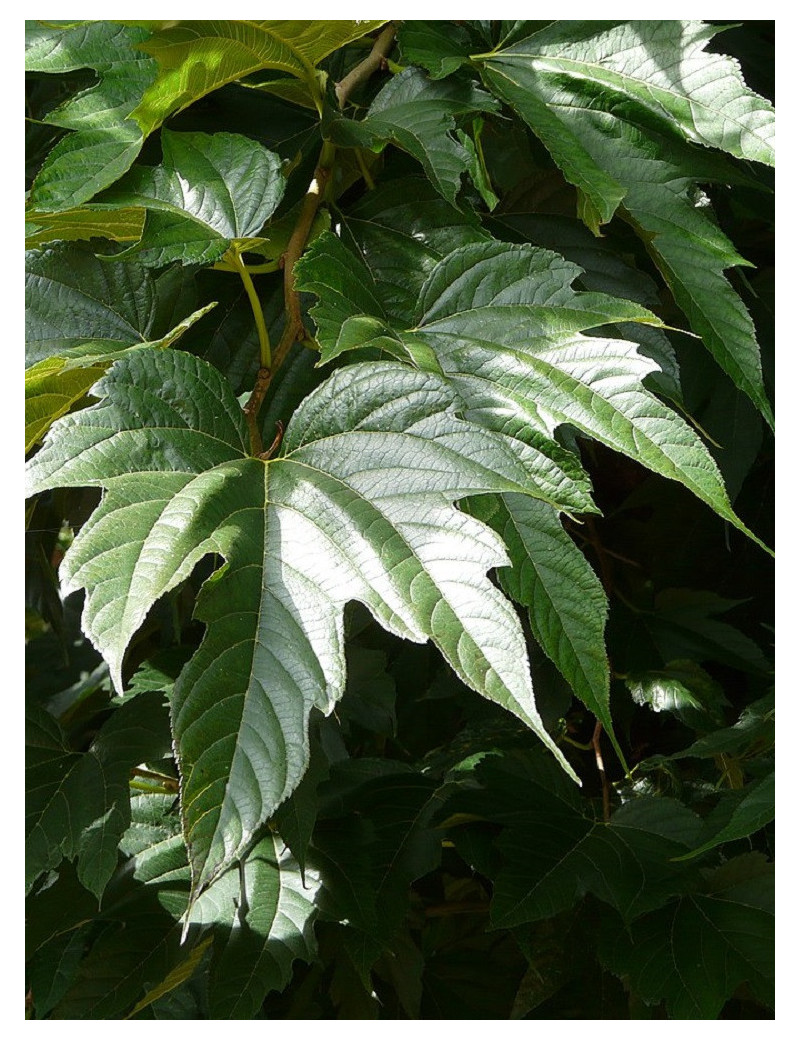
<point x="294" y="329"/>
<point x="252" y="407"/>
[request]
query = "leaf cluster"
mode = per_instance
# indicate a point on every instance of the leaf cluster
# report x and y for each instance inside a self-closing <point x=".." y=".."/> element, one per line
<point x="399" y="438"/>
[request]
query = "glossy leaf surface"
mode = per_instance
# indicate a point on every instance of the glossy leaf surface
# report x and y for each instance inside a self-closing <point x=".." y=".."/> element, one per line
<point x="210" y="191"/>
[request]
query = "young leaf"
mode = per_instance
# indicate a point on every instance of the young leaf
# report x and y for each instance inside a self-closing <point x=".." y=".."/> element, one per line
<point x="124" y="225"/>
<point x="210" y="191"/>
<point x="340" y="516"/>
<point x="50" y="392"/>
<point x="197" y="57"/>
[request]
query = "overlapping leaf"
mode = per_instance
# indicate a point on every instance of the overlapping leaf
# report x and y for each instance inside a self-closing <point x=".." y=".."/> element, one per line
<point x="662" y="66"/>
<point x="261" y="923"/>
<point x="504" y="325"/>
<point x="124" y="225"/>
<point x="694" y="952"/>
<point x="105" y="141"/>
<point x="372" y="845"/>
<point x="418" y="115"/>
<point x="402" y="239"/>
<point x="342" y="515"/>
<point x="197" y="57"/>
<point x="79" y="305"/>
<point x="77" y="802"/>
<point x="50" y="392"/>
<point x="566" y="603"/>
<point x="664" y="85"/>
<point x="553" y="851"/>
<point x="210" y="191"/>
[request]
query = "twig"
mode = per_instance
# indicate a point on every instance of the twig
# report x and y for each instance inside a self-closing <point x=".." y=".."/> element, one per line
<point x="373" y="61"/>
<point x="294" y="329"/>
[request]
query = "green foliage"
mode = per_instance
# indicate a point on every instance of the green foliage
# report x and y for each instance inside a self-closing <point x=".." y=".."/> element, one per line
<point x="398" y="609"/>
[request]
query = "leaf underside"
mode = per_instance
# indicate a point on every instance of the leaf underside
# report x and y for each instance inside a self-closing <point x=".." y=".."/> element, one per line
<point x="326" y="523"/>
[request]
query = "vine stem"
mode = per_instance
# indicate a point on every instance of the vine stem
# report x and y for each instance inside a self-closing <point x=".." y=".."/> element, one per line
<point x="362" y="72"/>
<point x="294" y="329"/>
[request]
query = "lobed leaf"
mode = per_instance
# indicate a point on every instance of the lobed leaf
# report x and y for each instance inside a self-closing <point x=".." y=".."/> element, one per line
<point x="611" y="102"/>
<point x="340" y="516"/>
<point x="77" y="802"/>
<point x="418" y="115"/>
<point x="694" y="952"/>
<point x="662" y="66"/>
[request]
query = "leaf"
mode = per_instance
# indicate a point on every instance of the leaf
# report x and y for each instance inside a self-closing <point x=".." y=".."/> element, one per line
<point x="418" y="115"/>
<point x="504" y="325"/>
<point x="683" y="688"/>
<point x="175" y="978"/>
<point x="738" y="814"/>
<point x="659" y="65"/>
<point x="105" y="141"/>
<point x="554" y="851"/>
<point x="78" y="802"/>
<point x="401" y="240"/>
<point x="439" y="47"/>
<point x="340" y="516"/>
<point x="371" y="843"/>
<point x="123" y="69"/>
<point x="567" y="606"/>
<point x="296" y="817"/>
<point x="53" y="969"/>
<point x="55" y="911"/>
<point x="599" y="193"/>
<point x="82" y="164"/>
<point x="50" y="392"/>
<point x="694" y="952"/>
<point x="83" y="307"/>
<point x="197" y="57"/>
<point x="563" y="82"/>
<point x="124" y="225"/>
<point x="755" y="728"/>
<point x="684" y="625"/>
<point x="607" y="269"/>
<point x="211" y="190"/>
<point x="255" y="945"/>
